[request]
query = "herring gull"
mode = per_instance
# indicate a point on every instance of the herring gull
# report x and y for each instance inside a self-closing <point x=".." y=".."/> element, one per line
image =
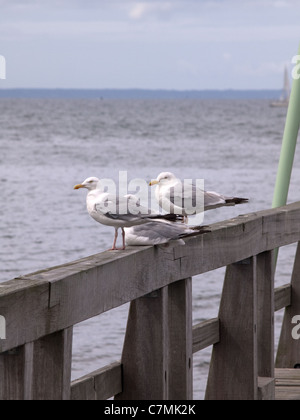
<point x="111" y="210"/>
<point x="158" y="232"/>
<point x="180" y="198"/>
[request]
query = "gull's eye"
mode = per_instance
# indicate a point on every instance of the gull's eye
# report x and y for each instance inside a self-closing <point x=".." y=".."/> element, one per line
<point x="91" y="181"/>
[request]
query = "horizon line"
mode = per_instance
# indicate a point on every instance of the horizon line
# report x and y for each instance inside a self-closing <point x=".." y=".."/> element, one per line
<point x="138" y="93"/>
<point x="144" y="89"/>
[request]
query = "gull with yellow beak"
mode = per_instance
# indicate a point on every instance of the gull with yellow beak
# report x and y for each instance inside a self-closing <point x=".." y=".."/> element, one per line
<point x="176" y="197"/>
<point x="119" y="212"/>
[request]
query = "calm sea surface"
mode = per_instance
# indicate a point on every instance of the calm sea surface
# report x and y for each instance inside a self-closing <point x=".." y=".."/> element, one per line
<point x="48" y="146"/>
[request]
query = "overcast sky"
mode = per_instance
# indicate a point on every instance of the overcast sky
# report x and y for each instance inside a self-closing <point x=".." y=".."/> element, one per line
<point x="154" y="44"/>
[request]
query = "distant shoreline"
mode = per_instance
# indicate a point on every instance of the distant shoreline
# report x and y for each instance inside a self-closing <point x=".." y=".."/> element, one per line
<point x="137" y="94"/>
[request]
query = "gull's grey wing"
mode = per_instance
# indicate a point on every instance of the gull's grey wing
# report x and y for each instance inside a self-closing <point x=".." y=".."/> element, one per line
<point x="185" y="195"/>
<point x="160" y="232"/>
<point x="155" y="233"/>
<point x="120" y="208"/>
<point x="191" y="196"/>
<point x="213" y="200"/>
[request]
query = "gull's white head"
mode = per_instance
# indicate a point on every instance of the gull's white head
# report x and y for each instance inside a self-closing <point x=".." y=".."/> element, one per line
<point x="91" y="183"/>
<point x="164" y="178"/>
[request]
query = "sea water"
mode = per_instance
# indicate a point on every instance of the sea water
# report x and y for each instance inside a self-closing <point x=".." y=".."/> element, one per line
<point x="49" y="145"/>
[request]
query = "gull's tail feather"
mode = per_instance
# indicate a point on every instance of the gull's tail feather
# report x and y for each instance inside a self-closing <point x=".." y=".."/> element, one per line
<point x="197" y="230"/>
<point x="236" y="200"/>
<point x="179" y="240"/>
<point x="170" y="217"/>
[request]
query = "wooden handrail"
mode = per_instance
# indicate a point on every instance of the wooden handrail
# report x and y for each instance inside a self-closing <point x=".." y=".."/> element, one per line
<point x="40" y="308"/>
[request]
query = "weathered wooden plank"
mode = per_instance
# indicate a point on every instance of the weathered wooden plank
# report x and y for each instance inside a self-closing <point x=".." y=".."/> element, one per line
<point x="282" y="226"/>
<point x="283" y="296"/>
<point x="239" y="238"/>
<point x="85" y="291"/>
<point x="287" y="384"/>
<point x="227" y="243"/>
<point x="83" y="389"/>
<point x="108" y="382"/>
<point x="180" y="357"/>
<point x="288" y="393"/>
<point x="233" y="368"/>
<point x="206" y="334"/>
<point x="24" y="305"/>
<point x="289" y="374"/>
<point x="288" y="353"/>
<point x="265" y="316"/>
<point x="98" y="385"/>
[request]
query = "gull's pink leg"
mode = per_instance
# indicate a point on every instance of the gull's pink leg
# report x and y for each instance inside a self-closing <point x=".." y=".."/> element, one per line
<point x="115" y="240"/>
<point x="114" y="248"/>
<point x="123" y="237"/>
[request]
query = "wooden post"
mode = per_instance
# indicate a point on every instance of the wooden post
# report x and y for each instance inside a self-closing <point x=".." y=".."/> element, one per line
<point x="40" y="370"/>
<point x="144" y="357"/>
<point x="245" y="351"/>
<point x="288" y="353"/>
<point x="233" y="368"/>
<point x="180" y="329"/>
<point x="265" y="325"/>
<point x="265" y="308"/>
<point x="157" y="353"/>
<point x="13" y="374"/>
<point x="51" y="367"/>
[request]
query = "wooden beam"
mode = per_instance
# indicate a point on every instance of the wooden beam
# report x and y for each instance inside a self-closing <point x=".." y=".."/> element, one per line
<point x="83" y="389"/>
<point x="287" y="384"/>
<point x="24" y="304"/>
<point x="283" y="296"/>
<point x="206" y="334"/>
<point x="288" y="353"/>
<point x="101" y="384"/>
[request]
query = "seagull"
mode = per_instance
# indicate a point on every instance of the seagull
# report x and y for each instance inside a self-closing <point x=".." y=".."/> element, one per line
<point x="158" y="232"/>
<point x="176" y="197"/>
<point x="119" y="212"/>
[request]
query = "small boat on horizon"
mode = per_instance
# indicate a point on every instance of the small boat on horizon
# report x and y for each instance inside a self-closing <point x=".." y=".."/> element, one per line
<point x="286" y="91"/>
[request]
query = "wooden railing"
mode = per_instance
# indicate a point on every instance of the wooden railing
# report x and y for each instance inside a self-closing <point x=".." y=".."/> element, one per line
<point x="40" y="310"/>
